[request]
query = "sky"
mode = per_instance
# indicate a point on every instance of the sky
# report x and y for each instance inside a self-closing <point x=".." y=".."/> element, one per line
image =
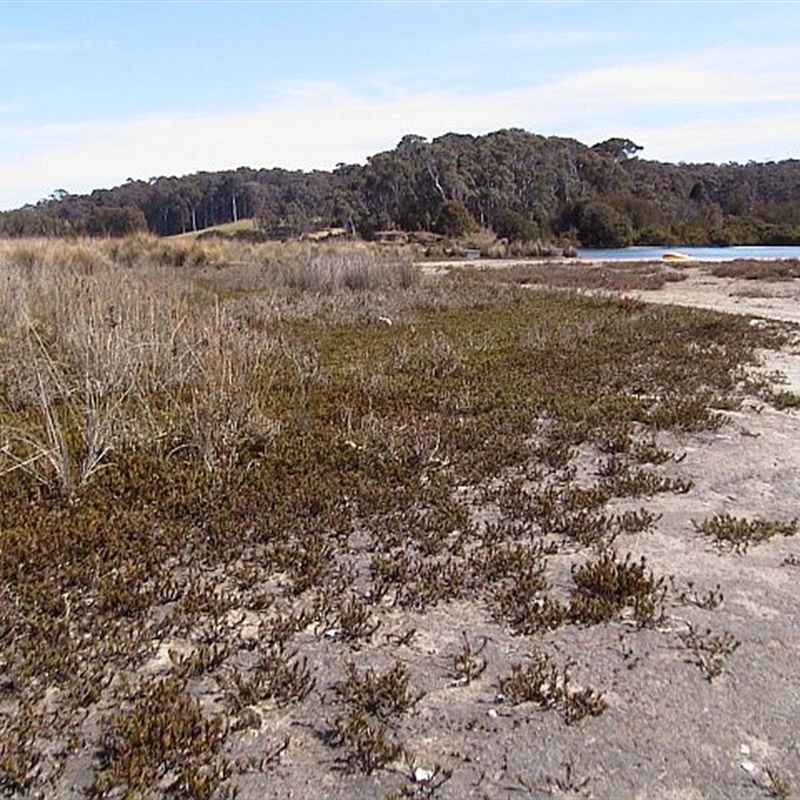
<point x="93" y="94"/>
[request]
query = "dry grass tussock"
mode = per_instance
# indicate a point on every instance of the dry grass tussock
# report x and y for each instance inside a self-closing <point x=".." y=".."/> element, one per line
<point x="84" y="351"/>
<point x="221" y="472"/>
<point x="101" y="337"/>
<point x="143" y="250"/>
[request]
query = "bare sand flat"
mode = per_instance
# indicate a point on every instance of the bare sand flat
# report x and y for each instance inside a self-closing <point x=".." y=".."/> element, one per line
<point x="704" y="706"/>
<point x="671" y="730"/>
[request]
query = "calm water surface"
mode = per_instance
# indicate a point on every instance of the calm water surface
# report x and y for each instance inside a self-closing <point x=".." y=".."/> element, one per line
<point x="699" y="253"/>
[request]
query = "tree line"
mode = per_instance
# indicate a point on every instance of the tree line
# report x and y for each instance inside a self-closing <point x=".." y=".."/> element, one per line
<point x="520" y="185"/>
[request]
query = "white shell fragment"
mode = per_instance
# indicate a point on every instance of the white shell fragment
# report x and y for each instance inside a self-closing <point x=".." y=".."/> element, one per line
<point x="422" y="775"/>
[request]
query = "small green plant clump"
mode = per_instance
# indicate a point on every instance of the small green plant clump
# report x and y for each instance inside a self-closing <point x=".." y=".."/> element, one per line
<point x="520" y="588"/>
<point x="606" y="587"/>
<point x="468" y="665"/>
<point x="783" y="399"/>
<point x="277" y="675"/>
<point x="19" y="756"/>
<point x="778" y="784"/>
<point x="738" y="533"/>
<point x="541" y="682"/>
<point x="382" y="695"/>
<point x="709" y="651"/>
<point x="373" y="704"/>
<point x="709" y="600"/>
<point x="163" y="742"/>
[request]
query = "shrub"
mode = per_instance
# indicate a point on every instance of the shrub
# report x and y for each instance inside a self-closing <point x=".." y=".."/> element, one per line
<point x="454" y="220"/>
<point x="164" y="734"/>
<point x="605" y="587"/>
<point x="738" y="534"/>
<point x="514" y="227"/>
<point x="600" y="225"/>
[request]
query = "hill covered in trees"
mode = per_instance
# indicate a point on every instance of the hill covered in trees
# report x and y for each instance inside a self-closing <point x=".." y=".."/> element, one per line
<point x="522" y="186"/>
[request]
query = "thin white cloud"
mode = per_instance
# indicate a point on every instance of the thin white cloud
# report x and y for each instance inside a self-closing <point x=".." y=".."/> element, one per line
<point x="308" y="92"/>
<point x="762" y="137"/>
<point x="694" y="110"/>
<point x="548" y="40"/>
<point x="692" y="81"/>
<point x="38" y="47"/>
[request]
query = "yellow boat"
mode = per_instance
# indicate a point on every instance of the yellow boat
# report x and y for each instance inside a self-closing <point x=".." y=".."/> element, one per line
<point x="677" y="257"/>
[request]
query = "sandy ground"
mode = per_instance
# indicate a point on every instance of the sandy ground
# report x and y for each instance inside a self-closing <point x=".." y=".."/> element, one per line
<point x="670" y="732"/>
<point x="774" y="300"/>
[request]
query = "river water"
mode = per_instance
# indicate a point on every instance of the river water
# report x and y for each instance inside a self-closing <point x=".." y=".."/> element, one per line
<point x="699" y="253"/>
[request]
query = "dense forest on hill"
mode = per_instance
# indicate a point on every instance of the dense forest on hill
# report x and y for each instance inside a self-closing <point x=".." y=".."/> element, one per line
<point x="522" y="186"/>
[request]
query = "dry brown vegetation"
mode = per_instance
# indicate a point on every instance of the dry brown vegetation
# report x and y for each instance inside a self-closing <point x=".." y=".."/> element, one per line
<point x="753" y="270"/>
<point x="238" y="481"/>
<point x="622" y="276"/>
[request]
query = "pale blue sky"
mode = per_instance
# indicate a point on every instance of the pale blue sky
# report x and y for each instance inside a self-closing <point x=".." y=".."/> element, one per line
<point x="92" y="93"/>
